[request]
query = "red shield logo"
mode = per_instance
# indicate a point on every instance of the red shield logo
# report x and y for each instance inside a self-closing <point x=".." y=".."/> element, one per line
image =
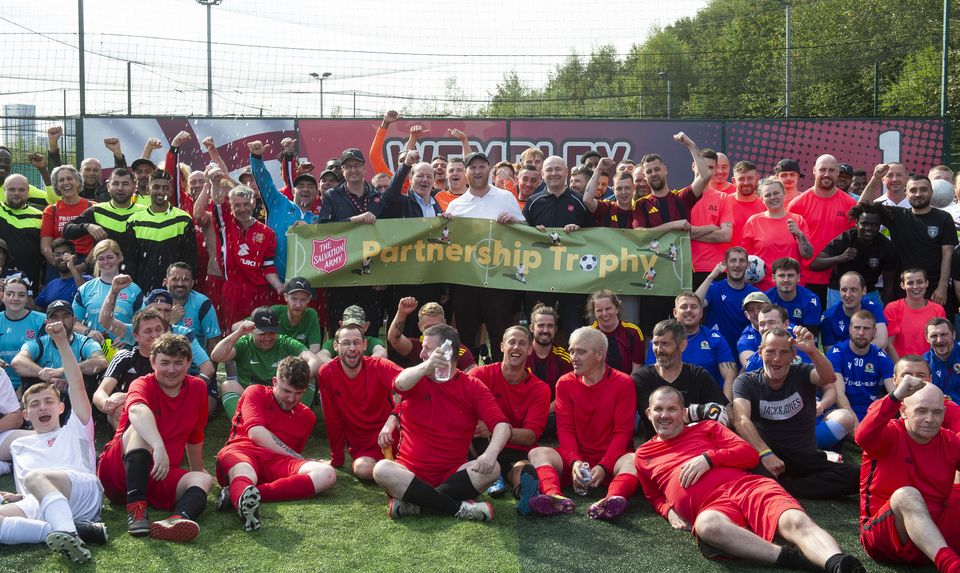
<point x="188" y="322"/>
<point x="31" y="334"/>
<point x="330" y="254"/>
<point x="122" y="296"/>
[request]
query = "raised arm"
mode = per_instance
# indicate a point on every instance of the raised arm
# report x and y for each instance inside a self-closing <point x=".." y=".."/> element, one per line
<point x="54" y="159"/>
<point x="395" y="336"/>
<point x="702" y="175"/>
<point x="875" y="185"/>
<point x="376" y="146"/>
<point x="79" y="401"/>
<point x="225" y="349"/>
<point x="590" y="193"/>
<point x="106" y="318"/>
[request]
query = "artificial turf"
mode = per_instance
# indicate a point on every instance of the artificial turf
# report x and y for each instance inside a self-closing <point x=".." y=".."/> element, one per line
<point x="347" y="529"/>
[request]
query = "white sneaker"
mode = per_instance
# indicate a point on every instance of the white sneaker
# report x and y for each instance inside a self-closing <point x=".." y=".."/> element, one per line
<point x="475" y="511"/>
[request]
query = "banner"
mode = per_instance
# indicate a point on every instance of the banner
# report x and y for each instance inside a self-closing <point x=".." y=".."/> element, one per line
<point x="485" y="253"/>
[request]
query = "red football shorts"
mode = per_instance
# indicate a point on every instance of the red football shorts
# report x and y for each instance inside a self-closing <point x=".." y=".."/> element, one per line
<point x="113" y="475"/>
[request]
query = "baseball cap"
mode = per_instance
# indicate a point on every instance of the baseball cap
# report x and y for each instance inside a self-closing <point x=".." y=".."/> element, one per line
<point x="305" y="177"/>
<point x="755" y="297"/>
<point x="475" y="155"/>
<point x="158" y="295"/>
<point x="265" y="320"/>
<point x="247" y="172"/>
<point x="138" y="162"/>
<point x="352" y="153"/>
<point x="353" y="314"/>
<point x="58" y="305"/>
<point x="846" y="168"/>
<point x="788" y="166"/>
<point x="299" y="284"/>
<point x="329" y="173"/>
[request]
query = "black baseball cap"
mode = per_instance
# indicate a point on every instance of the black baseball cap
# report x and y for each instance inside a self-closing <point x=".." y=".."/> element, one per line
<point x="475" y="155"/>
<point x="329" y="173"/>
<point x="265" y="320"/>
<point x="846" y="168"/>
<point x="138" y="162"/>
<point x="299" y="284"/>
<point x="788" y="166"/>
<point x="158" y="295"/>
<point x="351" y="154"/>
<point x="58" y="305"/>
<point x="305" y="177"/>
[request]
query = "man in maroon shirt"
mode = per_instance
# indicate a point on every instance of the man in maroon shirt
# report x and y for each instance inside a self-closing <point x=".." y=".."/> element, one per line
<point x="438" y="418"/>
<point x="262" y="460"/>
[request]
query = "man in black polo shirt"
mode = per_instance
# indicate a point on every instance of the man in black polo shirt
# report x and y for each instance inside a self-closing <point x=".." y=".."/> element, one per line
<point x="862" y="249"/>
<point x="701" y="395"/>
<point x="355" y="201"/>
<point x="20" y="229"/>
<point x="923" y="236"/>
<point x="557" y="207"/>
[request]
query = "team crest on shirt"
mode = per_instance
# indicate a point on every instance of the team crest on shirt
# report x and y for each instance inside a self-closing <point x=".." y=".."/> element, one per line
<point x="956" y="367"/>
<point x="797" y="313"/>
<point x="933" y="232"/>
<point x="868" y="368"/>
<point x="873" y="262"/>
<point x="51" y="441"/>
<point x="840" y="325"/>
<point x="570" y="208"/>
<point x="258" y="237"/>
<point x="704" y="345"/>
<point x="31" y="334"/>
<point x="123" y="296"/>
<point x="188" y="322"/>
<point x="329" y="254"/>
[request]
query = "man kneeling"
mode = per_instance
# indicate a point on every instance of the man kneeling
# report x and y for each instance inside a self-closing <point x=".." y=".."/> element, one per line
<point x="697" y="475"/>
<point x="908" y="507"/>
<point x="438" y="417"/>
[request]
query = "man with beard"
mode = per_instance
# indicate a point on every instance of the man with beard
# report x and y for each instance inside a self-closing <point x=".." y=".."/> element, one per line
<point x="522" y="397"/>
<point x="529" y="180"/>
<point x="789" y="174"/>
<point x="34" y="197"/>
<point x="833" y="324"/>
<point x="159" y="236"/>
<point x="356" y="393"/>
<point x="844" y="177"/>
<point x="262" y="460"/>
<point x="827" y="205"/>
<point x="701" y="393"/>
<point x="456" y="182"/>
<point x="90" y="168"/>
<point x="548" y="361"/>
<point x="723" y="298"/>
<point x="923" y="236"/>
<point x="20" y="228"/>
<point x="108" y="220"/>
<point x="863" y="368"/>
<point x="282" y="213"/>
<point x="745" y="203"/>
<point x="439" y="165"/>
<point x="711" y="219"/>
<point x="861" y="249"/>
<point x="943" y="356"/>
<point x="616" y="213"/>
<point x="199" y="316"/>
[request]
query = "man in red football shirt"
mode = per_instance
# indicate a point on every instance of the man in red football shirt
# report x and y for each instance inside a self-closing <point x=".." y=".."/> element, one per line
<point x="356" y="393"/>
<point x="908" y="506"/>
<point x="438" y="418"/>
<point x="163" y="418"/>
<point x="262" y="460"/>
<point x="696" y="478"/>
<point x="595" y="410"/>
<point x="524" y="400"/>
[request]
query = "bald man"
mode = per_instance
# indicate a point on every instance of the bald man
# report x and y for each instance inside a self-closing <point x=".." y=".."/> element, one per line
<point x="826" y="204"/>
<point x="20" y="228"/>
<point x="908" y="508"/>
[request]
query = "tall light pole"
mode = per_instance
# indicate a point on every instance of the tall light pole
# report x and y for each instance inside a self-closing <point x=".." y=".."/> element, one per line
<point x="208" y="4"/>
<point x="666" y="76"/>
<point x="789" y="33"/>
<point x="321" y="77"/>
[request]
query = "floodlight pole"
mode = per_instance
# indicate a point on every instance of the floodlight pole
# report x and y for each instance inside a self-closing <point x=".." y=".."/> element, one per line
<point x="209" y="4"/>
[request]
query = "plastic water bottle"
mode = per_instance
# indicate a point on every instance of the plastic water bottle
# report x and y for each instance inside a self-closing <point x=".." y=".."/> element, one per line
<point x="443" y="372"/>
<point x="580" y="485"/>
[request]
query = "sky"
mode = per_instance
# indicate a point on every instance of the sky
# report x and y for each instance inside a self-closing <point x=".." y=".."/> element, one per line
<point x="379" y="55"/>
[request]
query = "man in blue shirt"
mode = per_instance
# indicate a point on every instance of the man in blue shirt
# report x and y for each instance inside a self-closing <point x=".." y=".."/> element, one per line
<point x="771" y="316"/>
<point x="724" y="300"/>
<point x="943" y="356"/>
<point x="835" y="323"/>
<point x="863" y="367"/>
<point x="803" y="306"/>
<point x="198" y="313"/>
<point x="749" y="339"/>
<point x="705" y="346"/>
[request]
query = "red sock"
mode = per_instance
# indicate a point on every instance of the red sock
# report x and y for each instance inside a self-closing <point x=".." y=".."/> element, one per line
<point x="237" y="485"/>
<point x="549" y="480"/>
<point x="299" y="486"/>
<point x="624" y="485"/>
<point x="947" y="560"/>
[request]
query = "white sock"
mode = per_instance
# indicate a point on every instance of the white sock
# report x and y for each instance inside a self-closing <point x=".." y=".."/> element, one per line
<point x="55" y="510"/>
<point x="14" y="530"/>
<point x="5" y="467"/>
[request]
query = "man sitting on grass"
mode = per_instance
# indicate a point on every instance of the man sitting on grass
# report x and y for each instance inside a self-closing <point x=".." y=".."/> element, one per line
<point x="55" y="468"/>
<point x="438" y="418"/>
<point x="262" y="459"/>
<point x="163" y="418"/>
<point x="696" y="478"/>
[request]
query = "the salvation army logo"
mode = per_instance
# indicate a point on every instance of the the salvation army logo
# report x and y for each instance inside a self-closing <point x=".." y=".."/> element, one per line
<point x="188" y="322"/>
<point x="330" y="254"/>
<point x="123" y="296"/>
<point x="31" y="334"/>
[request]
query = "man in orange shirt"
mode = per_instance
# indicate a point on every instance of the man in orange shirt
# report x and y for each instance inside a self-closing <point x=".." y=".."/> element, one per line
<point x="529" y="180"/>
<point x="711" y="220"/>
<point x="907" y="317"/>
<point x="456" y="182"/>
<point x="721" y="176"/>
<point x="788" y="172"/>
<point x="745" y="202"/>
<point x="825" y="205"/>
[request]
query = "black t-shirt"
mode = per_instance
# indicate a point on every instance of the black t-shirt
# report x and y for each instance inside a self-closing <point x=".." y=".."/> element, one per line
<point x="126" y="366"/>
<point x="872" y="260"/>
<point x="549" y="210"/>
<point x="918" y="238"/>
<point x="694" y="383"/>
<point x="785" y="418"/>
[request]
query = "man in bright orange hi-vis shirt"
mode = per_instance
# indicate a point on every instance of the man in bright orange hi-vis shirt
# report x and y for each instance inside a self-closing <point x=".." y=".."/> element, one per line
<point x="711" y="220"/>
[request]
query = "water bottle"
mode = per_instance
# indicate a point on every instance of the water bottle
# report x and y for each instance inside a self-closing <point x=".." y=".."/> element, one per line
<point x="580" y="484"/>
<point x="443" y="372"/>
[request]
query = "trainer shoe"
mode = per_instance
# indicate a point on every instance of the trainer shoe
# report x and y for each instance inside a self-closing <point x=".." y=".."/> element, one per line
<point x="398" y="508"/>
<point x="844" y="563"/>
<point x="175" y="528"/>
<point x="608" y="507"/>
<point x="545" y="504"/>
<point x="223" y="501"/>
<point x="93" y="532"/>
<point x="70" y="545"/>
<point x="529" y="488"/>
<point x="497" y="489"/>
<point x="475" y="511"/>
<point x="249" y="508"/>
<point x="137" y="523"/>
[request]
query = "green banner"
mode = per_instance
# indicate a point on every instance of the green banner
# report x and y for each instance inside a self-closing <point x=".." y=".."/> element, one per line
<point x="479" y="252"/>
